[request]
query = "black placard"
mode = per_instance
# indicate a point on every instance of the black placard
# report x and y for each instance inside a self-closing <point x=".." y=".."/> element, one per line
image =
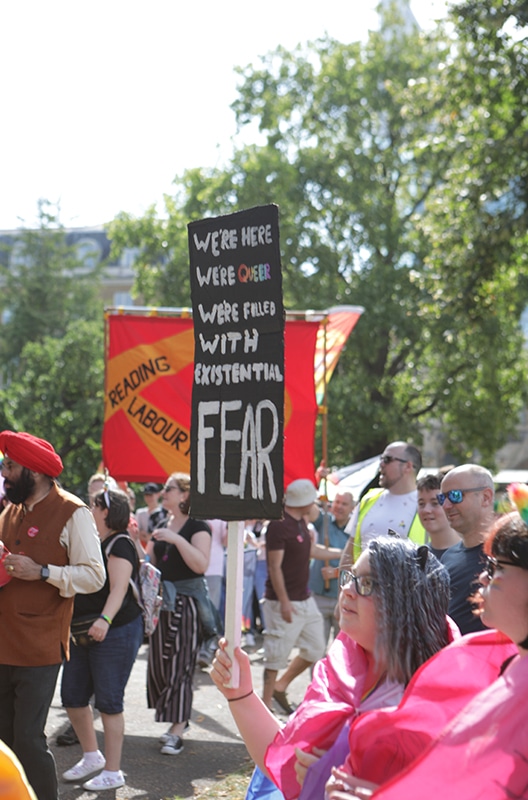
<point x="237" y="416"/>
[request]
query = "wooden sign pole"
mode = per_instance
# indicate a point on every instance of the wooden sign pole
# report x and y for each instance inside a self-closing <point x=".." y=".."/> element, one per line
<point x="234" y="581"/>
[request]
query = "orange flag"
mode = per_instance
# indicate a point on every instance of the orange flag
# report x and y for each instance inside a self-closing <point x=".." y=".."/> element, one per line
<point x="331" y="339"/>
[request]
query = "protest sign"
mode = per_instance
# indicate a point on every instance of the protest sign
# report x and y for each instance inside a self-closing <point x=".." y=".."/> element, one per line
<point x="237" y="413"/>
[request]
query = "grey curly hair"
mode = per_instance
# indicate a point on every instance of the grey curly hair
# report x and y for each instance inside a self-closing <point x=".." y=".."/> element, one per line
<point x="412" y="594"/>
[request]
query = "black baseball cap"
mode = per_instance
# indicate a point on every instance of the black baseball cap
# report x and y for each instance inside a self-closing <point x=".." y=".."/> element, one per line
<point x="151" y="488"/>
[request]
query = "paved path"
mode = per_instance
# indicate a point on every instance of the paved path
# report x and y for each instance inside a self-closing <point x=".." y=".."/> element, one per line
<point x="213" y="747"/>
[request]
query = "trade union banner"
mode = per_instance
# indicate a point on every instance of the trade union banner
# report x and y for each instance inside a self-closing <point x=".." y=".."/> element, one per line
<point x="237" y="413"/>
<point x="148" y="394"/>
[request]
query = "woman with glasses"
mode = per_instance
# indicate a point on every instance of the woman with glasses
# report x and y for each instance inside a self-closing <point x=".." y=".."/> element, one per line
<point x="392" y="614"/>
<point x="483" y="752"/>
<point x="102" y="656"/>
<point x="181" y="550"/>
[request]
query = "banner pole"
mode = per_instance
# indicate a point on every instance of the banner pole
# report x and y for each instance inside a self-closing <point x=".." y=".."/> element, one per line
<point x="325" y="413"/>
<point x="233" y="607"/>
<point x="324" y="434"/>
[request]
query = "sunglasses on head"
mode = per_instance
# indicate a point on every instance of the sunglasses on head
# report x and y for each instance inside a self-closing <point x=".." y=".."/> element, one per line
<point x="456" y="496"/>
<point x="390" y="459"/>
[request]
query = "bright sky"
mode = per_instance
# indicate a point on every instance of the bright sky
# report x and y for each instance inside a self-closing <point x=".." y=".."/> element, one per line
<point x="106" y="101"/>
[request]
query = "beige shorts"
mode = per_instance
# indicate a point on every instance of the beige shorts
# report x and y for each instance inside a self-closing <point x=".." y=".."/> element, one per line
<point x="305" y="631"/>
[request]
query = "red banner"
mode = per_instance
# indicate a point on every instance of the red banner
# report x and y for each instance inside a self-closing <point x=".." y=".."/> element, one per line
<point x="148" y="388"/>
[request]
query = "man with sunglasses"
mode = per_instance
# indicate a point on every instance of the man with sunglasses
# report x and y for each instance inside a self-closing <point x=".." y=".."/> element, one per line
<point x="467" y="498"/>
<point x="392" y="507"/>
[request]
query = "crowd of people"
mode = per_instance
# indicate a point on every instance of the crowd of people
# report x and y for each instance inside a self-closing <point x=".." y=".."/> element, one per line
<point x="409" y="608"/>
<point x="457" y="723"/>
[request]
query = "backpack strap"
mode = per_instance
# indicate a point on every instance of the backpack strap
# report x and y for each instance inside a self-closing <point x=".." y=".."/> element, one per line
<point x="133" y="584"/>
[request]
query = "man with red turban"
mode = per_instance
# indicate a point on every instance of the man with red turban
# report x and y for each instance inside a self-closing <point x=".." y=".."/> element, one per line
<point x="53" y="553"/>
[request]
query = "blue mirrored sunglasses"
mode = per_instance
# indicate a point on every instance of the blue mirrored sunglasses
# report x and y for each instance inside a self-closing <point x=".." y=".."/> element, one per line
<point x="456" y="496"/>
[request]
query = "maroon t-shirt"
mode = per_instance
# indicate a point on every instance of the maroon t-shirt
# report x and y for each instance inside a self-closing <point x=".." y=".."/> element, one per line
<point x="294" y="538"/>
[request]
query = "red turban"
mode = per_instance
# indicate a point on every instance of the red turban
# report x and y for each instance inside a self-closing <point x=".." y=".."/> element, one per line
<point x="31" y="452"/>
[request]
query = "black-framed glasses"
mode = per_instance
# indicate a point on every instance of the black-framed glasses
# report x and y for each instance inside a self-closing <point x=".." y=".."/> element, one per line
<point x="390" y="459"/>
<point x="456" y="496"/>
<point x="364" y="584"/>
<point x="493" y="564"/>
<point x="168" y="488"/>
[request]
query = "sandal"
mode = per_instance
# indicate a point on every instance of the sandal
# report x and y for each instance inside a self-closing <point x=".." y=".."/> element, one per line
<point x="282" y="700"/>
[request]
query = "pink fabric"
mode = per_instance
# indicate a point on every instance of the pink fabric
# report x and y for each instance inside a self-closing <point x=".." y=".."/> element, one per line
<point x="332" y="697"/>
<point x="383" y="742"/>
<point x="483" y="753"/>
<point x="5" y="576"/>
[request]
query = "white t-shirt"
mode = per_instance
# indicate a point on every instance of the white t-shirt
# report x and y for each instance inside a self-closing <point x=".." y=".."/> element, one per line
<point x="394" y="511"/>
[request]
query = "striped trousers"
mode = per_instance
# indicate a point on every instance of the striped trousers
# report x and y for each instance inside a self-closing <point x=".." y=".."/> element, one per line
<point x="172" y="657"/>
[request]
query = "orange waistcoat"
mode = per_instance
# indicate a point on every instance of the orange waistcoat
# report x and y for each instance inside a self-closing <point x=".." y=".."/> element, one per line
<point x="34" y="618"/>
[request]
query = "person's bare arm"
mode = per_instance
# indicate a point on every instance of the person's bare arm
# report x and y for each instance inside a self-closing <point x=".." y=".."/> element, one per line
<point x="322" y="553"/>
<point x="257" y="725"/>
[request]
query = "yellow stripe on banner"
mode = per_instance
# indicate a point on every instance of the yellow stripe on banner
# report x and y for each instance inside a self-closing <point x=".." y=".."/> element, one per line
<point x="137" y="368"/>
<point x="167" y="440"/>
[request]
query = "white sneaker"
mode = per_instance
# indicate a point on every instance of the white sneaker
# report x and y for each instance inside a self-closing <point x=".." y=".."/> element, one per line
<point x="172" y="746"/>
<point x="84" y="767"/>
<point x="106" y="780"/>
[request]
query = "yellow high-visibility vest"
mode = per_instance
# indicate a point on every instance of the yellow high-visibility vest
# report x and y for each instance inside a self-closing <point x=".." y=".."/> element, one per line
<point x="416" y="533"/>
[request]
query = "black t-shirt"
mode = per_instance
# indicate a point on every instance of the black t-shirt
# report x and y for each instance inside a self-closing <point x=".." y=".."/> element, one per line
<point x="168" y="558"/>
<point x="464" y="565"/>
<point x="92" y="604"/>
<point x="437" y="551"/>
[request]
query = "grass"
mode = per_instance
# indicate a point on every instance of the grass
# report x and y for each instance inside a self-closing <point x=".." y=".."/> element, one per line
<point x="232" y="786"/>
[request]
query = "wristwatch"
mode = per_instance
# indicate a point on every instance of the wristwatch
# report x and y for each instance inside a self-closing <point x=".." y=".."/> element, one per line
<point x="44" y="573"/>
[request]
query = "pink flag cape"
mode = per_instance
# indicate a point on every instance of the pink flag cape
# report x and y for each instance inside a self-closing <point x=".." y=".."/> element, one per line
<point x="482" y="753"/>
<point x="386" y="740"/>
<point x="383" y="742"/>
<point x="331" y="699"/>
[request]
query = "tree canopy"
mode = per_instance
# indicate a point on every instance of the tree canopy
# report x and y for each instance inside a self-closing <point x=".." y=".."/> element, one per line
<point x="399" y="167"/>
<point x="58" y="395"/>
<point x="52" y="351"/>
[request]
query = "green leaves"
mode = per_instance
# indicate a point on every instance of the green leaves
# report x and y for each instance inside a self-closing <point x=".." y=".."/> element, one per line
<point x="52" y="347"/>
<point x="58" y="395"/>
<point x="399" y="167"/>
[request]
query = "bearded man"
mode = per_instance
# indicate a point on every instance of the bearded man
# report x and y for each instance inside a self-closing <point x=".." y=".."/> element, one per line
<point x="53" y="554"/>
